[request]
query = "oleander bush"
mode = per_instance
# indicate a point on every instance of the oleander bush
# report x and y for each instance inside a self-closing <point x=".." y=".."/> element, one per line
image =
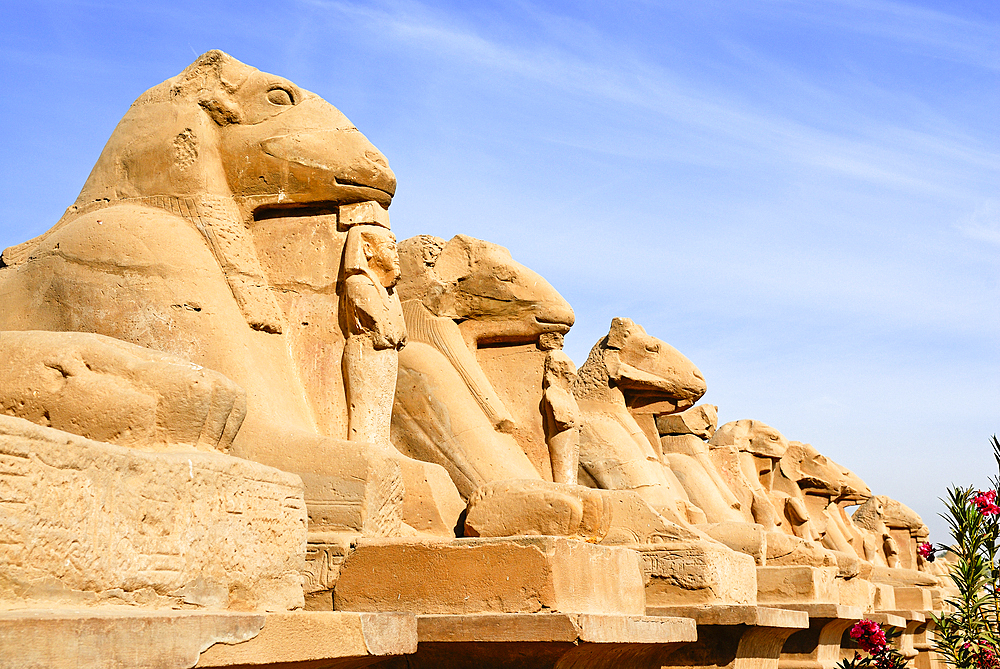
<point x="967" y="633"/>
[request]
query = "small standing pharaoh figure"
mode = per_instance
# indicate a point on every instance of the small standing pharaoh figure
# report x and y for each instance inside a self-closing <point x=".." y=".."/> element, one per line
<point x="879" y="545"/>
<point x="562" y="417"/>
<point x="373" y="324"/>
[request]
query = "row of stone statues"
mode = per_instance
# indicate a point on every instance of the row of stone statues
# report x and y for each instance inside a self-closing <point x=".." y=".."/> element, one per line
<point x="227" y="286"/>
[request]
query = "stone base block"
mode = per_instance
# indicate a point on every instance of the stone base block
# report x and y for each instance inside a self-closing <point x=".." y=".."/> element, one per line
<point x="856" y="592"/>
<point x="803" y="585"/>
<point x="885" y="597"/>
<point x="692" y="573"/>
<point x="86" y="523"/>
<point x="887" y="619"/>
<point x="901" y="577"/>
<point x="554" y="627"/>
<point x="319" y="639"/>
<point x="726" y="616"/>
<point x="547" y="641"/>
<point x="914" y="598"/>
<point x="513" y="575"/>
<point x="325" y="553"/>
<point x="914" y="621"/>
<point x="818" y="647"/>
<point x="101" y="638"/>
<point x="736" y="637"/>
<point x="923" y="644"/>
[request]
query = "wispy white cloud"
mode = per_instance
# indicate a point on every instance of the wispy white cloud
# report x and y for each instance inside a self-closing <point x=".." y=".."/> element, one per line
<point x="878" y="150"/>
<point x="983" y="223"/>
<point x="800" y="194"/>
<point x="934" y="32"/>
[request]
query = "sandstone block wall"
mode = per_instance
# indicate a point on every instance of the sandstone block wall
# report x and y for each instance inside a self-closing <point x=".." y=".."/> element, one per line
<point x="85" y="522"/>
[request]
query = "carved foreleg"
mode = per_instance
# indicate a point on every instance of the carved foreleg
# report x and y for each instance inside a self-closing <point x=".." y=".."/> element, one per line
<point x="109" y="390"/>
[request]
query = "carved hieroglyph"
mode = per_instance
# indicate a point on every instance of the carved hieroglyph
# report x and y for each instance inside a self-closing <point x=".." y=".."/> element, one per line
<point x="213" y="228"/>
<point x="89" y="523"/>
<point x="113" y="489"/>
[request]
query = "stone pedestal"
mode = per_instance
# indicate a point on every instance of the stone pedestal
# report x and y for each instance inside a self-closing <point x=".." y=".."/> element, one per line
<point x="514" y="575"/>
<point x="856" y="592"/>
<point x="692" y="573"/>
<point x="915" y="620"/>
<point x="85" y="523"/>
<point x="778" y="586"/>
<point x="818" y="647"/>
<point x="735" y="637"/>
<point x="885" y="597"/>
<point x="914" y="598"/>
<point x="544" y="641"/>
<point x="101" y="638"/>
<point x="923" y="643"/>
<point x="887" y="619"/>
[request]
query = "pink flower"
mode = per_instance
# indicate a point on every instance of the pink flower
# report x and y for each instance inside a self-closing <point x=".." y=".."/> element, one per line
<point x="984" y="655"/>
<point x="926" y="551"/>
<point x="986" y="502"/>
<point x="869" y="636"/>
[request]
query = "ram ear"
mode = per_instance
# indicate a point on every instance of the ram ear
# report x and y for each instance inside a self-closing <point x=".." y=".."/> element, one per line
<point x="619" y="332"/>
<point x="221" y="109"/>
<point x="455" y="260"/>
<point x="212" y="80"/>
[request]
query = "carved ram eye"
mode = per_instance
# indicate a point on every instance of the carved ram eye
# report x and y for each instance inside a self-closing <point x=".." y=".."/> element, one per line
<point x="653" y="347"/>
<point x="279" y="96"/>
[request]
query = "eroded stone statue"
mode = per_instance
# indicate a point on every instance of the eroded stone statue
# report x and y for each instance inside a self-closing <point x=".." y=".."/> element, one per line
<point x="825" y="488"/>
<point x="894" y="530"/>
<point x="373" y="322"/>
<point x="118" y="393"/>
<point x="460" y="298"/>
<point x="213" y="228"/>
<point x="746" y="453"/>
<point x="513" y="454"/>
<point x="223" y="386"/>
<point x="458" y="295"/>
<point x="615" y="453"/>
<point x="562" y="417"/>
<point x="684" y="447"/>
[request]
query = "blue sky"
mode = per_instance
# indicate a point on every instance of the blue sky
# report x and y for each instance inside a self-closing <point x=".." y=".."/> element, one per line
<point x="803" y="196"/>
